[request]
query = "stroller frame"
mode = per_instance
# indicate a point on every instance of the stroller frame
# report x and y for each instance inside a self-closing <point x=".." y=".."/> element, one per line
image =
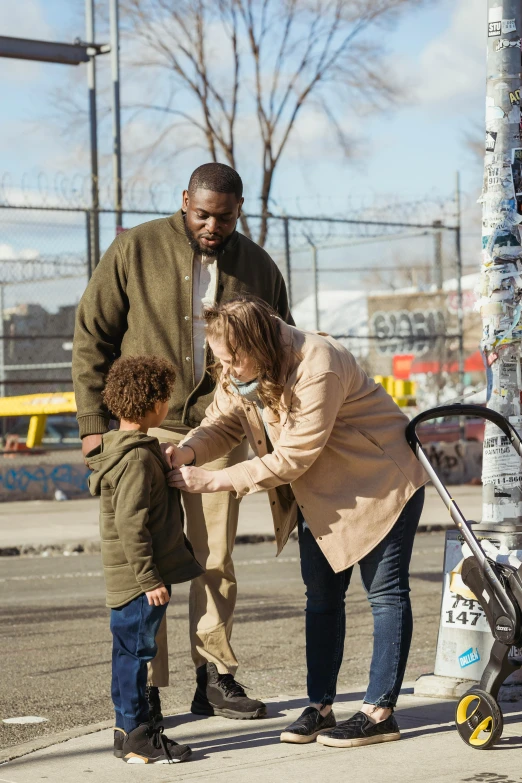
<point x="497" y="588"/>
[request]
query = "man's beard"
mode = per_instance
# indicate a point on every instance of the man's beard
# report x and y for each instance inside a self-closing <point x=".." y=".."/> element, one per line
<point x="198" y="248"/>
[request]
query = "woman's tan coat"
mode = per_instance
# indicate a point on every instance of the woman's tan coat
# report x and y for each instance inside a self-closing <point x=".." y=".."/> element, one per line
<point x="339" y="444"/>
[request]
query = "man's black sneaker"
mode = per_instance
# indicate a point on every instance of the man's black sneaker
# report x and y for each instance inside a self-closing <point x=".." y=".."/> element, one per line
<point x="220" y="694"/>
<point x="148" y="745"/>
<point x="119" y="736"/>
<point x="359" y="730"/>
<point x="307" y="727"/>
<point x="153" y="697"/>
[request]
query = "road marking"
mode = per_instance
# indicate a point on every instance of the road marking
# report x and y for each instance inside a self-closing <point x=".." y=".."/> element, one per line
<point x="31" y="577"/>
<point x="267" y="560"/>
<point x="25" y="719"/>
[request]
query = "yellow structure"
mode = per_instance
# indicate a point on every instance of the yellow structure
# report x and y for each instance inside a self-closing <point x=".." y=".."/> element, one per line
<point x="403" y="392"/>
<point x="38" y="407"/>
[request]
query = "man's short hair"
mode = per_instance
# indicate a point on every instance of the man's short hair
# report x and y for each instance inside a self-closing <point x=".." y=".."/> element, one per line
<point x="135" y="384"/>
<point x="216" y="177"/>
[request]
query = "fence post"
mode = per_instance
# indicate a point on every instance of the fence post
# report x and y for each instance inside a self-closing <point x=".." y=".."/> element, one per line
<point x="288" y="260"/>
<point x="89" y="242"/>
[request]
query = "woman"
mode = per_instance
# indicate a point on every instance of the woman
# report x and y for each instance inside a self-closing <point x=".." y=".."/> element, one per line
<point x="332" y="454"/>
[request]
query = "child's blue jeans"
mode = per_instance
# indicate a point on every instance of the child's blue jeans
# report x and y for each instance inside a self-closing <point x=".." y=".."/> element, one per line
<point x="134" y="628"/>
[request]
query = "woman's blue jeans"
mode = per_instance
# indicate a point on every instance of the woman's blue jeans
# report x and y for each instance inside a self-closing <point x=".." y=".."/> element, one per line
<point x="385" y="577"/>
<point x="134" y="628"/>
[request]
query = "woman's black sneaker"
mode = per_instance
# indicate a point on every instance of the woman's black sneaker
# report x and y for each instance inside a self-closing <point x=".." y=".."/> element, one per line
<point x="359" y="730"/>
<point x="308" y="726"/>
<point x="220" y="694"/>
<point x="148" y="745"/>
<point x="119" y="736"/>
<point x="153" y="697"/>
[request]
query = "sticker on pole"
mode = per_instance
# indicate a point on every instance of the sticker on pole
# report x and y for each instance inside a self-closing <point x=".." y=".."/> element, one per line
<point x="501" y="463"/>
<point x="469" y="657"/>
<point x="461" y="611"/>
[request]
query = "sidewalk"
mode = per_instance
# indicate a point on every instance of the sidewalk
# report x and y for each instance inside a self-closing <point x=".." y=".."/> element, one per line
<point x="226" y="751"/>
<point x="48" y="523"/>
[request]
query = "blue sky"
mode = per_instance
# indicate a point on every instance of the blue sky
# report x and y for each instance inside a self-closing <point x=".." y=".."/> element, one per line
<point x="412" y="151"/>
<point x="438" y="54"/>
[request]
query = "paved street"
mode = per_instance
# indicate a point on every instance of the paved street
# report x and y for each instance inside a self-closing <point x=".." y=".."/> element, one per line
<point x="55" y="640"/>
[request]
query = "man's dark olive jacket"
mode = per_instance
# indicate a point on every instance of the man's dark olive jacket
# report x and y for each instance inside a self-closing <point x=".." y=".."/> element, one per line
<point x="139" y="302"/>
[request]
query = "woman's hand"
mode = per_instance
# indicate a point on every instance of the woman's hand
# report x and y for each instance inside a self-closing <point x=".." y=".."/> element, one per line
<point x="198" y="480"/>
<point x="176" y="456"/>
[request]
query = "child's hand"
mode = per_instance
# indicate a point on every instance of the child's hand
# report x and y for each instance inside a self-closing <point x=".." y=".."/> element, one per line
<point x="158" y="597"/>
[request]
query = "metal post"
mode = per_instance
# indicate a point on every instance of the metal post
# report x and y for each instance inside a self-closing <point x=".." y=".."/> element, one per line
<point x="116" y="120"/>
<point x="437" y="254"/>
<point x="2" y="342"/>
<point x="460" y="308"/>
<point x="88" y="225"/>
<point x="288" y="260"/>
<point x="91" y="83"/>
<point x="501" y="301"/>
<point x="316" y="286"/>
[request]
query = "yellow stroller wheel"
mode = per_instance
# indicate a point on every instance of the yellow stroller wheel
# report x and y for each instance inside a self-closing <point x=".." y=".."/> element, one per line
<point x="479" y="719"/>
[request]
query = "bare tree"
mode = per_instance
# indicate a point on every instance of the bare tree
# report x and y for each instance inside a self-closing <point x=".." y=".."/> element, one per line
<point x="245" y="69"/>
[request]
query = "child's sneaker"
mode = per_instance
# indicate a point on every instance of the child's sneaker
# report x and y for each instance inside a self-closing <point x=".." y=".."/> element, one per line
<point x="119" y="736"/>
<point x="148" y="745"/>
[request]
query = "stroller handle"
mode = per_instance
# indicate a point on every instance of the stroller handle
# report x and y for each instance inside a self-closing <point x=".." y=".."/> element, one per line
<point x="463" y="410"/>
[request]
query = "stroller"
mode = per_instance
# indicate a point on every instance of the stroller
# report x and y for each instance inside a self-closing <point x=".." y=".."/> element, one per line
<point x="496" y="586"/>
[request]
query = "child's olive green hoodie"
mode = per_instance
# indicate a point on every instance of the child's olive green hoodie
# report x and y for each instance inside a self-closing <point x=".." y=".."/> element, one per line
<point x="142" y="540"/>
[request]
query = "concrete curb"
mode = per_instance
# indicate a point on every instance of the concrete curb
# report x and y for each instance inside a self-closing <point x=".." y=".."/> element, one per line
<point x="16" y="751"/>
<point x="93" y="547"/>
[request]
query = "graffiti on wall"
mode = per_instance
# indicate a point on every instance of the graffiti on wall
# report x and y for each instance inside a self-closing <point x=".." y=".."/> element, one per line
<point x="407" y="331"/>
<point x="42" y="480"/>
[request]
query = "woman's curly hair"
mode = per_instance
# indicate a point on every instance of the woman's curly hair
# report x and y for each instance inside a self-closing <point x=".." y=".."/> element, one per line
<point x="135" y="384"/>
<point x="250" y="326"/>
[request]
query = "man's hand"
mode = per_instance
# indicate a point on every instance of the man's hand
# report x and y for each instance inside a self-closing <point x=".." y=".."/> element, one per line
<point x="90" y="442"/>
<point x="158" y="597"/>
<point x="176" y="456"/>
<point x="198" y="480"/>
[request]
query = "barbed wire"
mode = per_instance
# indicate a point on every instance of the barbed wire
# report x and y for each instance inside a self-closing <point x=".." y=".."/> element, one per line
<point x="73" y="192"/>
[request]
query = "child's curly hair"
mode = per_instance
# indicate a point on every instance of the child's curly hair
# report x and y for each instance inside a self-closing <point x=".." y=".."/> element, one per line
<point x="135" y="384"/>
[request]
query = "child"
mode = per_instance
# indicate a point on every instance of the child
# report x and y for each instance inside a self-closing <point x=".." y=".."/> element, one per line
<point x="143" y="547"/>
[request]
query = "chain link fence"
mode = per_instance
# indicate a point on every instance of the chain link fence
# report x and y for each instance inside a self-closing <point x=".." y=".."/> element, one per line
<point x="374" y="284"/>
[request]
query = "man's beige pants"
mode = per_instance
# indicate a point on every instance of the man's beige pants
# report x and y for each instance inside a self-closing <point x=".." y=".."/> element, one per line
<point x="211" y="526"/>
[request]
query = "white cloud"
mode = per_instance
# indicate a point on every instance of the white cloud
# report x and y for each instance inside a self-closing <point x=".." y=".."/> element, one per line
<point x="452" y="67"/>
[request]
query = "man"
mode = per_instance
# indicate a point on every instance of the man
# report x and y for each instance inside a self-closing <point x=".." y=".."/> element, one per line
<point x="146" y="297"/>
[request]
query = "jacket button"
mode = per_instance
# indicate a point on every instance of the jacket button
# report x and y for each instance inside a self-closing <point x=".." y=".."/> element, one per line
<point x="259" y="442"/>
<point x="277" y="530"/>
<point x="187" y="358"/>
<point x="273" y="502"/>
<point x="302" y="506"/>
<point x="320" y="538"/>
<point x="187" y="318"/>
<point x="248" y="409"/>
<point x="187" y="277"/>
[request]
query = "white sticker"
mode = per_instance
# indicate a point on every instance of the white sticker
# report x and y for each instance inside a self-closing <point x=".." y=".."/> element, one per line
<point x="495" y="14"/>
<point x="501" y="463"/>
<point x="462" y="613"/>
<point x="508" y="26"/>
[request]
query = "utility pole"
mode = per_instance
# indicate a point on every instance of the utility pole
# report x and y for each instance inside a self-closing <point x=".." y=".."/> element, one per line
<point x="437" y="254"/>
<point x="315" y="272"/>
<point x="501" y="281"/>
<point x="116" y="119"/>
<point x="93" y="121"/>
<point x="460" y="307"/>
<point x="501" y="307"/>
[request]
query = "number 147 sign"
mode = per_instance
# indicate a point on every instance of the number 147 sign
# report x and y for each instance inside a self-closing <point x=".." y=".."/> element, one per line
<point x="458" y="612"/>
